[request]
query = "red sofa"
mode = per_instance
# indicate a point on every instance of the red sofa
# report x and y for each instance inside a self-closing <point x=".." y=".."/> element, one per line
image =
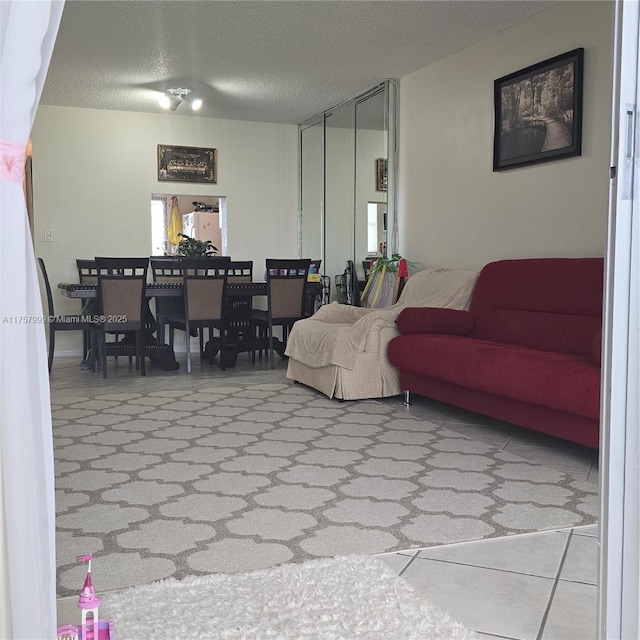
<point x="527" y="351"/>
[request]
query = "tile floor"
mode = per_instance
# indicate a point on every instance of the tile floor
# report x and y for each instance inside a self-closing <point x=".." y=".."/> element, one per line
<point x="539" y="586"/>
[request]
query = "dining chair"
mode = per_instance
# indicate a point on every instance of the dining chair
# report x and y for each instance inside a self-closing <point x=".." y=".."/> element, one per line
<point x="286" y="288"/>
<point x="87" y="271"/>
<point x="167" y="269"/>
<point x="204" y="287"/>
<point x="238" y="308"/>
<point x="75" y="322"/>
<point x="122" y="309"/>
<point x="87" y="274"/>
<point x="240" y="271"/>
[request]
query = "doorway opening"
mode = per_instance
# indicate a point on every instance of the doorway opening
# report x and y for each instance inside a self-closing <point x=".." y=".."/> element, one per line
<point x="202" y="217"/>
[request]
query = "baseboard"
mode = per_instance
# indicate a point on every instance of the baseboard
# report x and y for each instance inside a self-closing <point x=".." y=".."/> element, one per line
<point x="69" y="353"/>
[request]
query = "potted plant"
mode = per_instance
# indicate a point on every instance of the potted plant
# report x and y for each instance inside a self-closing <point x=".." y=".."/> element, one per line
<point x="191" y="248"/>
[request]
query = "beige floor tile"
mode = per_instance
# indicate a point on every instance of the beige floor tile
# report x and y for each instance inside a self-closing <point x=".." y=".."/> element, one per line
<point x="572" y="615"/>
<point x="395" y="561"/>
<point x="537" y="554"/>
<point x="588" y="530"/>
<point x="581" y="563"/>
<point x="484" y="600"/>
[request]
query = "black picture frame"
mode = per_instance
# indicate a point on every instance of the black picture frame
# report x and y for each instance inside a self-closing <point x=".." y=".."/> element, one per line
<point x="187" y="164"/>
<point x="538" y="112"/>
<point x="381" y="174"/>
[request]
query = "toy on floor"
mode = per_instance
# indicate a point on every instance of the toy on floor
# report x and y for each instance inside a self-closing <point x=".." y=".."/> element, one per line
<point x="92" y="626"/>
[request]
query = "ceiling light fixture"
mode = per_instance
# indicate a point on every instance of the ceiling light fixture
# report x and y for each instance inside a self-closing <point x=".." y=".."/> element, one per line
<point x="196" y="103"/>
<point x="172" y="99"/>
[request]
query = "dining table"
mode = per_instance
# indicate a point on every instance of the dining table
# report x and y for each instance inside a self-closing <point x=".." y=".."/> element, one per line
<point x="174" y="289"/>
<point x="238" y="338"/>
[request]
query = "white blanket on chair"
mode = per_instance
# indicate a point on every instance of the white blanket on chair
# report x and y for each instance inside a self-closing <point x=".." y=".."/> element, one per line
<point x="336" y="333"/>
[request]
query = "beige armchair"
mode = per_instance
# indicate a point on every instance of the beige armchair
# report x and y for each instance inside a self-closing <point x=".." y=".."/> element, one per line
<point x="342" y="350"/>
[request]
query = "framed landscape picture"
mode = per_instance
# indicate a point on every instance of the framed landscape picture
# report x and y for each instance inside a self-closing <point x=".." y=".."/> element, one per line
<point x="187" y="164"/>
<point x="538" y="112"/>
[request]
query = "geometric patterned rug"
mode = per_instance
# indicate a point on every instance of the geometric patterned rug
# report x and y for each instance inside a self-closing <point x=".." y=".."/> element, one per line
<point x="238" y="477"/>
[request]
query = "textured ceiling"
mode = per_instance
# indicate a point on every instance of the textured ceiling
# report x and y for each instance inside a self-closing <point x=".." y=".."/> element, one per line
<point x="263" y="60"/>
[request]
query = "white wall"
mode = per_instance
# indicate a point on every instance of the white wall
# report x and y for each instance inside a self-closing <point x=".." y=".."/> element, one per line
<point x="94" y="172"/>
<point x="312" y="196"/>
<point x="453" y="209"/>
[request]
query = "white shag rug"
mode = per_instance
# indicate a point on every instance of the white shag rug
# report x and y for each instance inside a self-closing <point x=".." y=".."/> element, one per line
<point x="328" y="599"/>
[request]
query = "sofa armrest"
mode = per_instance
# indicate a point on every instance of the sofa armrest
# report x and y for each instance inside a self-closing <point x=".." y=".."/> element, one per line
<point x="435" y="320"/>
<point x="375" y="339"/>
<point x="385" y="336"/>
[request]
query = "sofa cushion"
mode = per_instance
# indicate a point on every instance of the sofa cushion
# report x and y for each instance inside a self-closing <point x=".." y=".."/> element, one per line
<point x="552" y="304"/>
<point x="556" y="380"/>
<point x="434" y="320"/>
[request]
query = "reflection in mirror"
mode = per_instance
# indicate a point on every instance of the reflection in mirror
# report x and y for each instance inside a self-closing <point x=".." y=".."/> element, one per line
<point x="339" y="188"/>
<point x="376" y="229"/>
<point x="311" y="189"/>
<point x="341" y="151"/>
<point x="370" y="195"/>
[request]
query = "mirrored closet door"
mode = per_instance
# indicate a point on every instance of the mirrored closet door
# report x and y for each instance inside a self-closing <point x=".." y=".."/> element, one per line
<point x="347" y="181"/>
